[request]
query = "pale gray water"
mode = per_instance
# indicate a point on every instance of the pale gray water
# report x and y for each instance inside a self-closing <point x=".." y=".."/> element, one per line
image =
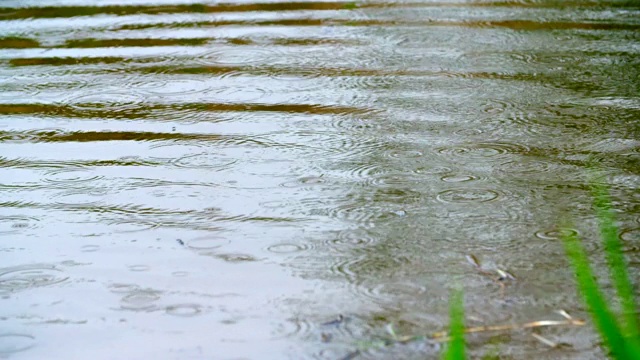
<point x="221" y="181"/>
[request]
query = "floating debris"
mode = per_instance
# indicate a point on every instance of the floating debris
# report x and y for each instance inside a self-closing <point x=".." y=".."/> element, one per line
<point x="443" y="336"/>
<point x="339" y="320"/>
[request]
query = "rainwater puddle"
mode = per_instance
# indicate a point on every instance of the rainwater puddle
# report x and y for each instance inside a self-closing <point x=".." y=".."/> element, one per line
<point x="185" y="179"/>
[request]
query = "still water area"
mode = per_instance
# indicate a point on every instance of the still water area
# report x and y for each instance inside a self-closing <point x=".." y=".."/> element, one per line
<point x="298" y="180"/>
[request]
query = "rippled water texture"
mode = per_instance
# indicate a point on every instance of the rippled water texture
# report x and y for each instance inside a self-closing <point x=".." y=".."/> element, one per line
<point x="282" y="180"/>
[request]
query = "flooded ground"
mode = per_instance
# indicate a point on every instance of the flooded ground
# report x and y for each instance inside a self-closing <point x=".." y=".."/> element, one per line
<point x="283" y="180"/>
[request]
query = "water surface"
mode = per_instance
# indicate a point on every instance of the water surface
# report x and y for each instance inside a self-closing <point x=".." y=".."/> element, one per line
<point x="210" y="180"/>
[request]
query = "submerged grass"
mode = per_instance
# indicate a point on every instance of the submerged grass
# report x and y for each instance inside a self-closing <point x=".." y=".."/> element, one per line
<point x="615" y="259"/>
<point x="620" y="334"/>
<point x="621" y="341"/>
<point x="621" y="338"/>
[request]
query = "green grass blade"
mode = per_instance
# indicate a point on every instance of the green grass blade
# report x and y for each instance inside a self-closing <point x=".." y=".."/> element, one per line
<point x="604" y="319"/>
<point x="615" y="260"/>
<point x="456" y="348"/>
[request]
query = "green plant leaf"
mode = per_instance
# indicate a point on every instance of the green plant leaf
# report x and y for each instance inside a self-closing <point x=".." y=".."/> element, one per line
<point x="618" y="346"/>
<point x="615" y="259"/>
<point x="456" y="348"/>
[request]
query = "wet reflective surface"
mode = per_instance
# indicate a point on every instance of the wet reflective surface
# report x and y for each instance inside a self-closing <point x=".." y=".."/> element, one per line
<point x="224" y="181"/>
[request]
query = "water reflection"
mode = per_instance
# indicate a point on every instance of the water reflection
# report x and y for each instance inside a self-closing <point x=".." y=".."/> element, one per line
<point x="284" y="179"/>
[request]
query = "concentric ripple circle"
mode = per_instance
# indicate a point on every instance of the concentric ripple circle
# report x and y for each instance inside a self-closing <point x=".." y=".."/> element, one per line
<point x="556" y="234"/>
<point x="468" y="195"/>
<point x="287" y="248"/>
<point x="353" y="238"/>
<point x="207" y="242"/>
<point x="205" y="160"/>
<point x="482" y="150"/>
<point x="16" y="223"/>
<point x="70" y="177"/>
<point x="13" y="343"/>
<point x="184" y="310"/>
<point x="25" y="277"/>
<point x="140" y="300"/>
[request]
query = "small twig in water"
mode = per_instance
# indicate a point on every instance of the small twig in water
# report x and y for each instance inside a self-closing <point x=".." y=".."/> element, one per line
<point x="544" y="340"/>
<point x="442" y="335"/>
